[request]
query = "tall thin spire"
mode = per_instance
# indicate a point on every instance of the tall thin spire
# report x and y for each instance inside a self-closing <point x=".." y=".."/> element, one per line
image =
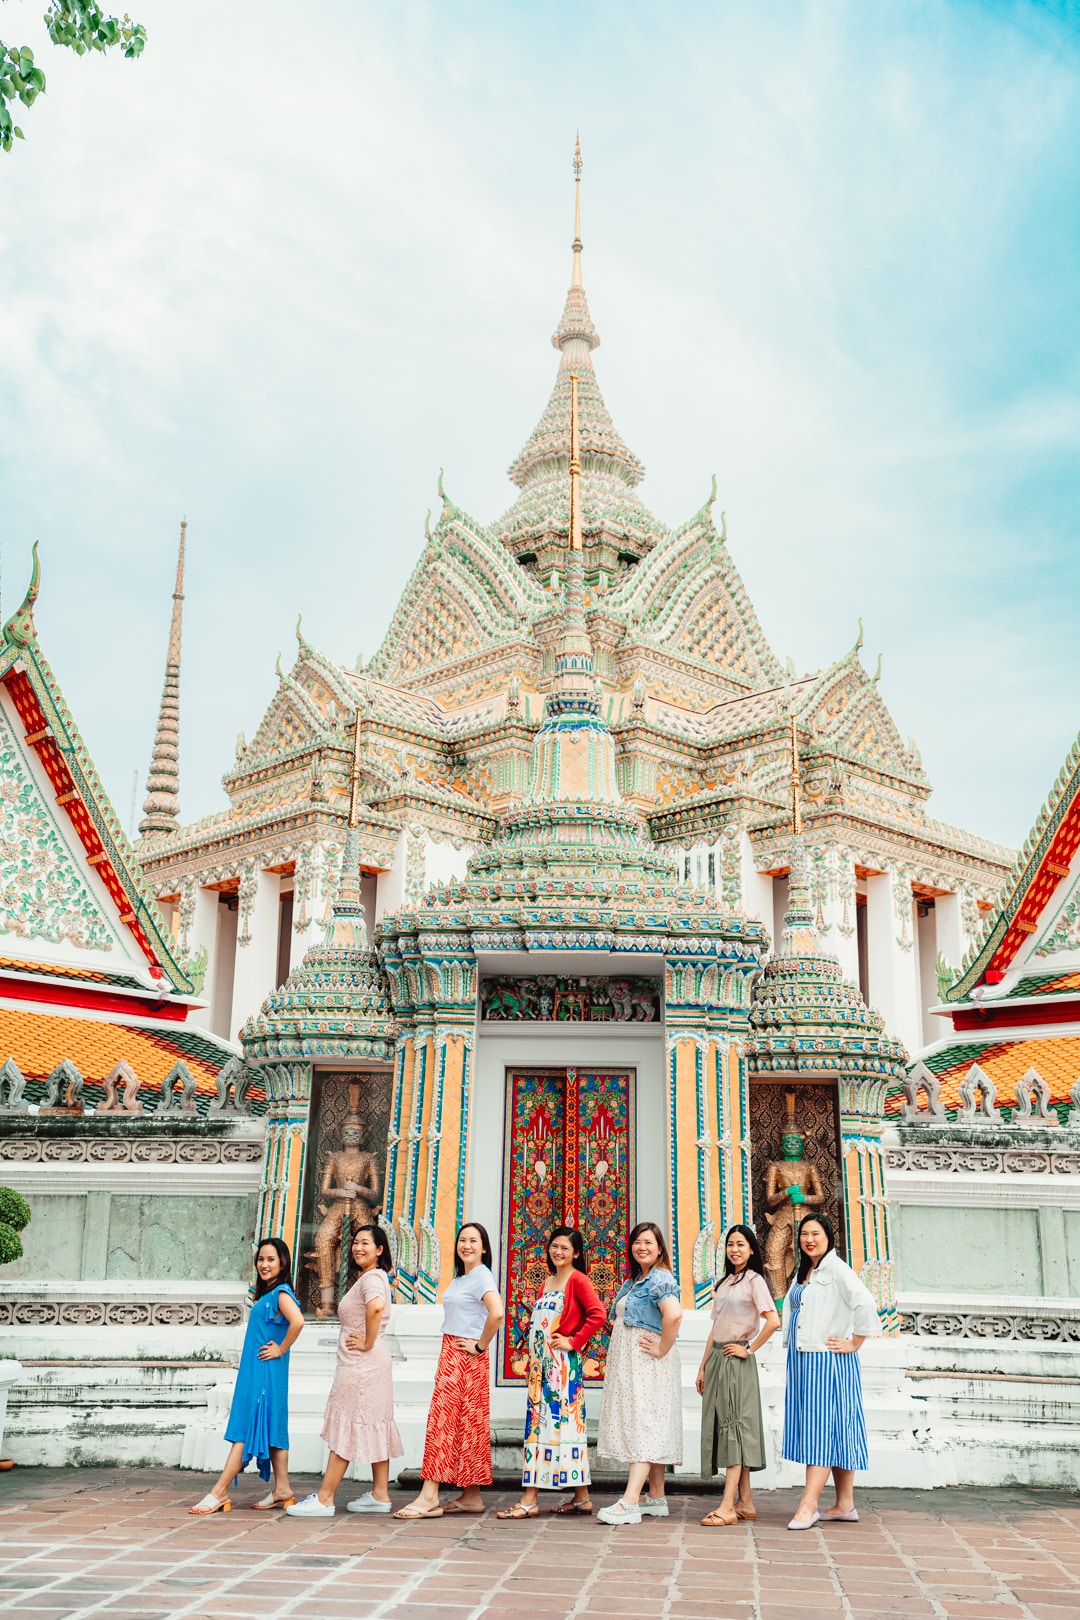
<point x="161" y="807"/>
<point x="796" y="785"/>
<point x="346" y="927"/>
<point x="575" y="279"/>
<point x="575" y="334"/>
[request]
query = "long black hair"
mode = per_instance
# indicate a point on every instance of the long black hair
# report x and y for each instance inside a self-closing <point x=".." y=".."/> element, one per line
<point x="485" y="1247"/>
<point x="382" y="1246"/>
<point x="285" y="1266"/>
<point x="806" y="1265"/>
<point x="577" y="1243"/>
<point x="754" y="1263"/>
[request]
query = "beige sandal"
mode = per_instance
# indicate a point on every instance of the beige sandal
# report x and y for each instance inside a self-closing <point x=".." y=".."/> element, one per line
<point x="211" y="1504"/>
<point x="519" y="1511"/>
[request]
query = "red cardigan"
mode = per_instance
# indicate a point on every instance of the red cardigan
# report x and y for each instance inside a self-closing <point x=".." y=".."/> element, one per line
<point x="582" y="1313"/>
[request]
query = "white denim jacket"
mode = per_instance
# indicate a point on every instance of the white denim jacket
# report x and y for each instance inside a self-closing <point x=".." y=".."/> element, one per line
<point x="835" y="1305"/>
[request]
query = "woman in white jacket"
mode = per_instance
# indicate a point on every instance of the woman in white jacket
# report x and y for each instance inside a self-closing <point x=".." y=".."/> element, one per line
<point x="827" y="1314"/>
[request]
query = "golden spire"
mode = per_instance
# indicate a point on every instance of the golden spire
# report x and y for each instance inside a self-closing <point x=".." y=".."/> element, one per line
<point x="354" y="776"/>
<point x="796" y="788"/>
<point x="575" y="468"/>
<point x="575" y="280"/>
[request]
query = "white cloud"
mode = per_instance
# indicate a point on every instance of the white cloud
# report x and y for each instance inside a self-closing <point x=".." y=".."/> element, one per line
<point x="293" y="261"/>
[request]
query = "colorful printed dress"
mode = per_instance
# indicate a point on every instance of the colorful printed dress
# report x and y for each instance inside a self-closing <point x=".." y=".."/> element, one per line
<point x="824" y="1422"/>
<point x="259" y="1416"/>
<point x="556" y="1448"/>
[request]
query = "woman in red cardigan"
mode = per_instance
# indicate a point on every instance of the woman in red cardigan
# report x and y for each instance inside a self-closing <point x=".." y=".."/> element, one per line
<point x="564" y="1319"/>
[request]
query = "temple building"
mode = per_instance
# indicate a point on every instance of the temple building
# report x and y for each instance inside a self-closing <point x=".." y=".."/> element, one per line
<point x="444" y="716"/>
<point x="575" y="904"/>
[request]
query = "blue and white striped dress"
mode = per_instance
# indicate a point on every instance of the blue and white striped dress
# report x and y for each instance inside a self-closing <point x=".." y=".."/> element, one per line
<point x="824" y="1422"/>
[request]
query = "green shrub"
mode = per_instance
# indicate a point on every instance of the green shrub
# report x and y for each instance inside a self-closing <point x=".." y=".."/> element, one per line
<point x="14" y="1210"/>
<point x="10" y="1244"/>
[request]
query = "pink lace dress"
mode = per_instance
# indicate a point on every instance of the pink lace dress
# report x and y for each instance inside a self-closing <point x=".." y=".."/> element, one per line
<point x="359" y="1422"/>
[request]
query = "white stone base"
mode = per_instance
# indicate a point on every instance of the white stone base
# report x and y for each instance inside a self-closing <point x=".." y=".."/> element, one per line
<point x="938" y="1413"/>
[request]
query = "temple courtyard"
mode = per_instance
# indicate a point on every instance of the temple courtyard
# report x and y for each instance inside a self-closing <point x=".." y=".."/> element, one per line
<point x="120" y="1544"/>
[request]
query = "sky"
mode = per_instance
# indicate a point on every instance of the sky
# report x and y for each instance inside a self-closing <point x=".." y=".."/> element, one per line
<point x="277" y="273"/>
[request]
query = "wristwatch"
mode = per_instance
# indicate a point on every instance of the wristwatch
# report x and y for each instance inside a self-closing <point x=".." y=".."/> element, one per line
<point x="478" y="1347"/>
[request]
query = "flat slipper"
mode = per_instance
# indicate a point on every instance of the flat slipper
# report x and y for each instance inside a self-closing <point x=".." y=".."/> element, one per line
<point x="519" y="1511"/>
<point x="419" y="1513"/>
<point x="804" y="1524"/>
<point x="454" y="1506"/>
<point x="830" y="1516"/>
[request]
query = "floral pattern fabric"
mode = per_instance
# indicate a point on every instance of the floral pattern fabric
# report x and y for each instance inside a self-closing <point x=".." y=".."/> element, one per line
<point x="556" y="1448"/>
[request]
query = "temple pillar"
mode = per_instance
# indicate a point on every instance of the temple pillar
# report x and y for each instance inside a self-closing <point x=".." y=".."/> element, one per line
<point x="755" y="888"/>
<point x="279" y="1213"/>
<point x="893" y="964"/>
<point x="866" y="1204"/>
<point x="441" y="1202"/>
<point x="950" y="939"/>
<point x="309" y="904"/>
<point x="255" y="972"/>
<point x="688" y="1155"/>
<point x="833" y="888"/>
<point x="199" y="927"/>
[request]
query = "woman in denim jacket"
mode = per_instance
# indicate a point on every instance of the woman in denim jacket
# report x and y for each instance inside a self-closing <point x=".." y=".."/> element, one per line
<point x="641" y="1415"/>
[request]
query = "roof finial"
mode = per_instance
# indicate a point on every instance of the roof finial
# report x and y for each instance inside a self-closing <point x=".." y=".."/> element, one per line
<point x="796" y="785"/>
<point x="20" y="627"/>
<point x="161" y="807"/>
<point x="575" y="279"/>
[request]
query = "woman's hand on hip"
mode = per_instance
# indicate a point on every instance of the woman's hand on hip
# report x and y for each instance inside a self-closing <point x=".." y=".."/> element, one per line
<point x="841" y="1347"/>
<point x="651" y="1347"/>
<point x="270" y="1352"/>
<point x="355" y="1341"/>
<point x="559" y="1341"/>
<point x="469" y="1347"/>
<point x="738" y="1351"/>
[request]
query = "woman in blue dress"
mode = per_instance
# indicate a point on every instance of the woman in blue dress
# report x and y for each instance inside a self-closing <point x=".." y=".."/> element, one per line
<point x="827" y="1314"/>
<point x="259" y="1418"/>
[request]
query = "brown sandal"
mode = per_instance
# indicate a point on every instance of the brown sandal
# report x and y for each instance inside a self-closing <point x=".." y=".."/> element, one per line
<point x="745" y="1513"/>
<point x="519" y="1511"/>
<point x="566" y="1509"/>
<point x="715" y="1519"/>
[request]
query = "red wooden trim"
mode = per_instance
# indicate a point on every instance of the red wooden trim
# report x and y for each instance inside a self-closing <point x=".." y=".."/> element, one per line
<point x="1055" y="1012"/>
<point x="62" y="995"/>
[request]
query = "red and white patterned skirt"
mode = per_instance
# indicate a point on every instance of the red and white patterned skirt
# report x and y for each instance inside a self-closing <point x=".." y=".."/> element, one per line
<point x="457" y="1448"/>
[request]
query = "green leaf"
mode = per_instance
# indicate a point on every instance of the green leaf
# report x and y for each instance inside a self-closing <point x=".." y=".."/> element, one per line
<point x="19" y="133"/>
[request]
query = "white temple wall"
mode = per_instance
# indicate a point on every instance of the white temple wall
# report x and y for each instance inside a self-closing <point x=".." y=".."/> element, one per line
<point x="224" y="958"/>
<point x="893" y="960"/>
<point x="444" y="862"/>
<point x="255" y="969"/>
<point x="839" y="930"/>
<point x="756" y="887"/>
<point x="309" y="903"/>
<point x="950" y="935"/>
<point x="390" y="895"/>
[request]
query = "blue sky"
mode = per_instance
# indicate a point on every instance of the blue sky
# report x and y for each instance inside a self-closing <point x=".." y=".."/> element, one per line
<point x="292" y="262"/>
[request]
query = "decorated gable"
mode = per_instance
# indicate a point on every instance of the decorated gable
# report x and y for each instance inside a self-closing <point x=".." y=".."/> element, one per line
<point x="46" y="891"/>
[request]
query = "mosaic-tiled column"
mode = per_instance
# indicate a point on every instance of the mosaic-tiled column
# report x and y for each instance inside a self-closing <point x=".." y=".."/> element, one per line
<point x="866" y="1204"/>
<point x="289" y="1085"/>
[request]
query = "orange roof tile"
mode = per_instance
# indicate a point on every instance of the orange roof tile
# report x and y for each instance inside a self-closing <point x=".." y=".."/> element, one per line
<point x="39" y="1041"/>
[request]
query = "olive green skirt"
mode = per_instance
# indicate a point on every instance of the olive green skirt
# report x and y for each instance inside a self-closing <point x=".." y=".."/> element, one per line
<point x="732" y="1432"/>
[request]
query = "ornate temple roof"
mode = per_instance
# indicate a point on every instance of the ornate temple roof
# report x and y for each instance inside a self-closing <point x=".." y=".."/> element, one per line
<point x="609" y="470"/>
<point x="90" y="984"/>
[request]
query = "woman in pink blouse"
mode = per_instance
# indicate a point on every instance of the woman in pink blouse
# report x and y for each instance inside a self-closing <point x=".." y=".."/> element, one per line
<point x="732" y="1433"/>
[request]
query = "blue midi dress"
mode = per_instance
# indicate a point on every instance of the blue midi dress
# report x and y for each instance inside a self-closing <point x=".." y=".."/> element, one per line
<point x="259" y="1415"/>
<point x="824" y="1422"/>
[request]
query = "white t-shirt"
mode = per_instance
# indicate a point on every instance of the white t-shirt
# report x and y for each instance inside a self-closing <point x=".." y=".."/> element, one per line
<point x="464" y="1311"/>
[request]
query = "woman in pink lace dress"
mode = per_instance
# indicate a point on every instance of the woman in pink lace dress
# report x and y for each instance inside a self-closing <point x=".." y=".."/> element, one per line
<point x="359" y="1423"/>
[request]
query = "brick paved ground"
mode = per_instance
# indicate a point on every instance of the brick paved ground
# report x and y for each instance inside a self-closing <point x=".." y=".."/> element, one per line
<point x="119" y="1544"/>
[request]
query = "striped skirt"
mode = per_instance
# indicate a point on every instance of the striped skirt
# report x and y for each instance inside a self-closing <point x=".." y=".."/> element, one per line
<point x="824" y="1422"/>
<point x="457" y="1447"/>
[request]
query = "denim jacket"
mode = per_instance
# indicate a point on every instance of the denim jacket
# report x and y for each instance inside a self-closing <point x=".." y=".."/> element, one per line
<point x="643" y="1299"/>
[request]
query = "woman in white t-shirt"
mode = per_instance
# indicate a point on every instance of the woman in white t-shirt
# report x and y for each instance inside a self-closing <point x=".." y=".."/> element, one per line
<point x="457" y="1448"/>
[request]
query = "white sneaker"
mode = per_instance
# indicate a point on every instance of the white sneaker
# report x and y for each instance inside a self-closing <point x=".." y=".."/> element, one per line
<point x="367" y="1504"/>
<point x="311" y="1508"/>
<point x="654" y="1507"/>
<point x="620" y="1513"/>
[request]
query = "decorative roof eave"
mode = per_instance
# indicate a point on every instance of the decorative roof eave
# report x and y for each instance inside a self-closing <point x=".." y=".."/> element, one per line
<point x="877" y="830"/>
<point x="36" y="694"/>
<point x="302" y="818"/>
<point x="1047" y="855"/>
